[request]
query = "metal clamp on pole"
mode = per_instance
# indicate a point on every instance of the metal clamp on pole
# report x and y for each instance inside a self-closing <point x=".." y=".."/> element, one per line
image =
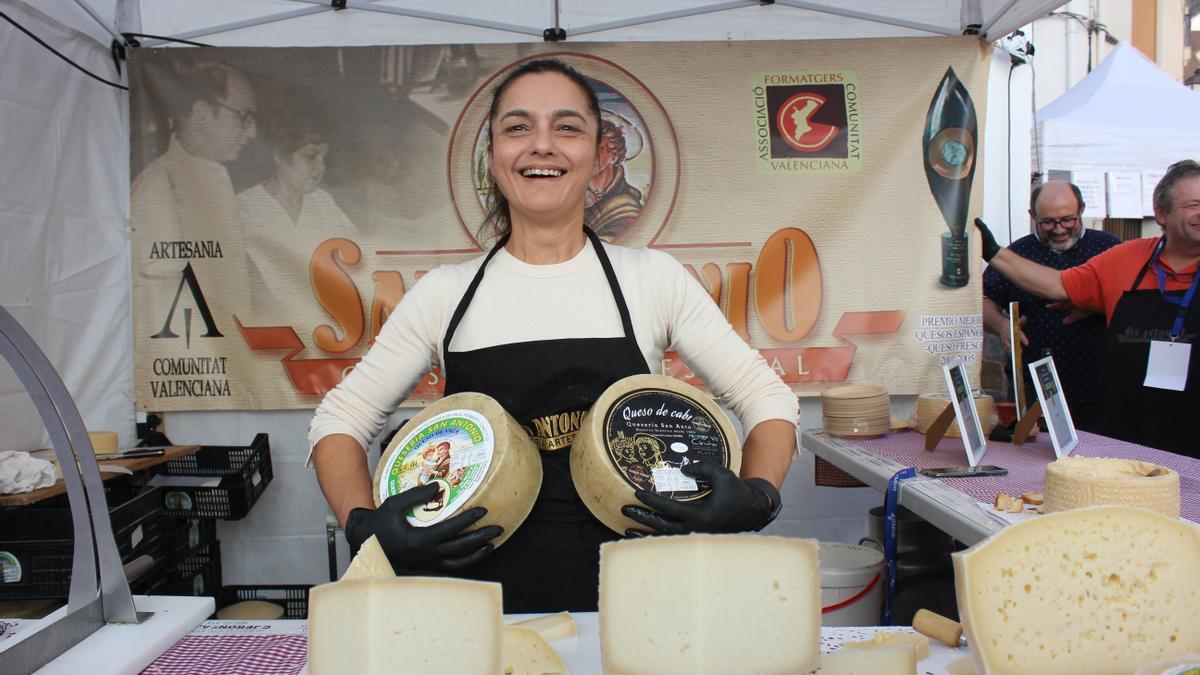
<point x="90" y="605"/>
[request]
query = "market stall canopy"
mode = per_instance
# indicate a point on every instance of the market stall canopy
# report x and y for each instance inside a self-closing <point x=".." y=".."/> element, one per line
<point x="362" y="22"/>
<point x="1126" y="114"/>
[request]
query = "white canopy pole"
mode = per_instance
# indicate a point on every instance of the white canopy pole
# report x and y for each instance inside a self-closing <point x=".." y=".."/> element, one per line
<point x="238" y="25"/>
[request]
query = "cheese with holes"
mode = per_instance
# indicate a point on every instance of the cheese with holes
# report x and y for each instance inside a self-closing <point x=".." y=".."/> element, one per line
<point x="527" y="653"/>
<point x="1095" y="590"/>
<point x="411" y="625"/>
<point x="552" y="626"/>
<point x="478" y="455"/>
<point x="370" y="562"/>
<point x="704" y="603"/>
<point x="638" y="435"/>
<point x="895" y="660"/>
<point x="887" y="639"/>
<point x="1075" y="482"/>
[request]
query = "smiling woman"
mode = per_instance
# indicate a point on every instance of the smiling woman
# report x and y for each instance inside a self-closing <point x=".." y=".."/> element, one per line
<point x="558" y="317"/>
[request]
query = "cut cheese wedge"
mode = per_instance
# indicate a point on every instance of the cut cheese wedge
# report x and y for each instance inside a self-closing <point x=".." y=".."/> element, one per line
<point x="887" y="639"/>
<point x="370" y="562"/>
<point x="552" y="626"/>
<point x="1076" y="482"/>
<point x="718" y="604"/>
<point x="896" y="660"/>
<point x="527" y="653"/>
<point x="638" y="435"/>
<point x="478" y="455"/>
<point x="1095" y="590"/>
<point x="411" y="625"/>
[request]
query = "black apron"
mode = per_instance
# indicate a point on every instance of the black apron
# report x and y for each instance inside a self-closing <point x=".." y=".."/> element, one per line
<point x="552" y="562"/>
<point x="1160" y="418"/>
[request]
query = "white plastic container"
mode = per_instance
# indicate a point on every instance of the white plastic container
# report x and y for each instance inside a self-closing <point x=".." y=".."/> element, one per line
<point x="852" y="583"/>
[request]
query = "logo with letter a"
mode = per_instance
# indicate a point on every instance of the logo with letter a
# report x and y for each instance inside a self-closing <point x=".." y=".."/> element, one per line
<point x="188" y="278"/>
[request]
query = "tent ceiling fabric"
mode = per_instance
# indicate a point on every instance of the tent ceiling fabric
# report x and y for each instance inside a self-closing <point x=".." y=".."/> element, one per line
<point x="314" y="22"/>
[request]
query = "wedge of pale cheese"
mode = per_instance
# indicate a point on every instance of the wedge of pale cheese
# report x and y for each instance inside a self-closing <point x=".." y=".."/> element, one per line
<point x="370" y="562"/>
<point x="717" y="604"/>
<point x="638" y="435"/>
<point x="527" y="653"/>
<point x="895" y="660"/>
<point x="411" y="625"/>
<point x="478" y="455"/>
<point x="552" y="626"/>
<point x="1094" y="590"/>
<point x="887" y="639"/>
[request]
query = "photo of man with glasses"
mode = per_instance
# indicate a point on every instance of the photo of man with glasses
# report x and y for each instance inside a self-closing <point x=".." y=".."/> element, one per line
<point x="187" y="190"/>
<point x="1059" y="240"/>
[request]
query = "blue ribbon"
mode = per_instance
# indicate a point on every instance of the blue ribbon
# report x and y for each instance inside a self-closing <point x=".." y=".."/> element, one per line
<point x="891" y="500"/>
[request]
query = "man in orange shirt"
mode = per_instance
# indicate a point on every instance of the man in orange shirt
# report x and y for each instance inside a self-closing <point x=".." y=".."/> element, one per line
<point x="1145" y="288"/>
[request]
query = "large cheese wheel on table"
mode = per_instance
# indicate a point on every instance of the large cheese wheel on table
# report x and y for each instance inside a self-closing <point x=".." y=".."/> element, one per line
<point x="479" y="455"/>
<point x="1076" y="482"/>
<point x="1095" y="590"/>
<point x="638" y="435"/>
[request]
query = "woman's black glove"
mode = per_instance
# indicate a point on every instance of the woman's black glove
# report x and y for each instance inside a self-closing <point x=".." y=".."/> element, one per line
<point x="733" y="505"/>
<point x="990" y="247"/>
<point x="441" y="547"/>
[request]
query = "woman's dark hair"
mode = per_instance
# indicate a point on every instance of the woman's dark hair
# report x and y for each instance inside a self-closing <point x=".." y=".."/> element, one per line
<point x="496" y="206"/>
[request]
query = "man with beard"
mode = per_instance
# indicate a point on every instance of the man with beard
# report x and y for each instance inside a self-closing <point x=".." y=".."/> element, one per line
<point x="1060" y="241"/>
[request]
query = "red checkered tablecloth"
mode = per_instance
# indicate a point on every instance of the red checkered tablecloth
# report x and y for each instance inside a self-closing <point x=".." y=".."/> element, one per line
<point x="1026" y="464"/>
<point x="226" y="648"/>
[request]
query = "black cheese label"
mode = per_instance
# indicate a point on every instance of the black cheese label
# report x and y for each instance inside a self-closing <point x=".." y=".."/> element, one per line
<point x="651" y="434"/>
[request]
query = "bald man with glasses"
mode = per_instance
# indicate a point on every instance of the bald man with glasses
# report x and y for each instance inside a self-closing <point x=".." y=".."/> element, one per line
<point x="1059" y="240"/>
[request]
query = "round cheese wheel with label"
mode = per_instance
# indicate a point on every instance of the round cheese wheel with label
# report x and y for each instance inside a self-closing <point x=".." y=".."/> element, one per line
<point x="470" y="447"/>
<point x="639" y="435"/>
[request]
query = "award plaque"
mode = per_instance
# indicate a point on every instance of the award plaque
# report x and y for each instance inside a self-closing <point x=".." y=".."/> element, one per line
<point x="949" y="141"/>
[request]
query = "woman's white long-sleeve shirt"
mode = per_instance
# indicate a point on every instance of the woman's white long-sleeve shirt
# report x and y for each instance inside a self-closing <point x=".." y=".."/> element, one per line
<point x="519" y="302"/>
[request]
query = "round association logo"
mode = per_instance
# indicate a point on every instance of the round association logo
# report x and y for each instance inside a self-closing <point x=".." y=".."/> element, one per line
<point x="796" y="126"/>
<point x="631" y="193"/>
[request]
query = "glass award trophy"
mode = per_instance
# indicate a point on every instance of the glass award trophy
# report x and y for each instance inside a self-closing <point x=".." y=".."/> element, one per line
<point x="949" y="141"/>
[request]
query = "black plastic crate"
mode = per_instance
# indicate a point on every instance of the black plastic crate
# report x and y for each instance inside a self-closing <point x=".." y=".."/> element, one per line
<point x="293" y="599"/>
<point x="37" y="544"/>
<point x="243" y="471"/>
<point x="42" y="569"/>
<point x="199" y="574"/>
<point x="184" y="536"/>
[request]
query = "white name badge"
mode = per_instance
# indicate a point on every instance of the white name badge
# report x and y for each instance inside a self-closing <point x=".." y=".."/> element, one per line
<point x="1168" y="365"/>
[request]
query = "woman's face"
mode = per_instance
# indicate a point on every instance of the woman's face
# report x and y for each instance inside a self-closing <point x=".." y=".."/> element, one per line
<point x="303" y="169"/>
<point x="543" y="150"/>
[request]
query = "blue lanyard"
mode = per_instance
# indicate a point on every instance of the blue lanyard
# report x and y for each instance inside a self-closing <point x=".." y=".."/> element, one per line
<point x="1184" y="303"/>
<point x="891" y="500"/>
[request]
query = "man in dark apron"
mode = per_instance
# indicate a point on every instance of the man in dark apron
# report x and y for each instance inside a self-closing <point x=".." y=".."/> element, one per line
<point x="1146" y="288"/>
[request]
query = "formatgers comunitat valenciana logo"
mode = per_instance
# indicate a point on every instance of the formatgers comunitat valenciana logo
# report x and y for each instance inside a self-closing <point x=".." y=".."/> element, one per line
<point x="807" y="121"/>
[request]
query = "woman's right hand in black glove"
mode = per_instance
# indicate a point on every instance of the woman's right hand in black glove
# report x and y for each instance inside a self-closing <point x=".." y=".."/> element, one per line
<point x="441" y="547"/>
<point x="990" y="248"/>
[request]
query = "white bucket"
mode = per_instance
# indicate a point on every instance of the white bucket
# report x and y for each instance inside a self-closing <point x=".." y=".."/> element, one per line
<point x="852" y="583"/>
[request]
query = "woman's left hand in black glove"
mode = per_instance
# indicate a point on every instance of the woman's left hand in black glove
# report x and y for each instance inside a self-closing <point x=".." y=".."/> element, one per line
<point x="733" y="505"/>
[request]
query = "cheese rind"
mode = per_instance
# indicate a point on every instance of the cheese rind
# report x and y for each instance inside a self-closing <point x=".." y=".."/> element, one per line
<point x="527" y="653"/>
<point x="488" y="460"/>
<point x="412" y="625"/>
<point x="1094" y="590"/>
<point x="552" y="626"/>
<point x="896" y="660"/>
<point x="638" y="435"/>
<point x="702" y="604"/>
<point x="1076" y="482"/>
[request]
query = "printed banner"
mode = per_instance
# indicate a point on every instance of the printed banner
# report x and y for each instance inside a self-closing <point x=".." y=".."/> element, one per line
<point x="284" y="199"/>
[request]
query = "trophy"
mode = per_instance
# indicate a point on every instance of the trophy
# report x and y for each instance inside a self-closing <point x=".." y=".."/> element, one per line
<point x="949" y="141"/>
